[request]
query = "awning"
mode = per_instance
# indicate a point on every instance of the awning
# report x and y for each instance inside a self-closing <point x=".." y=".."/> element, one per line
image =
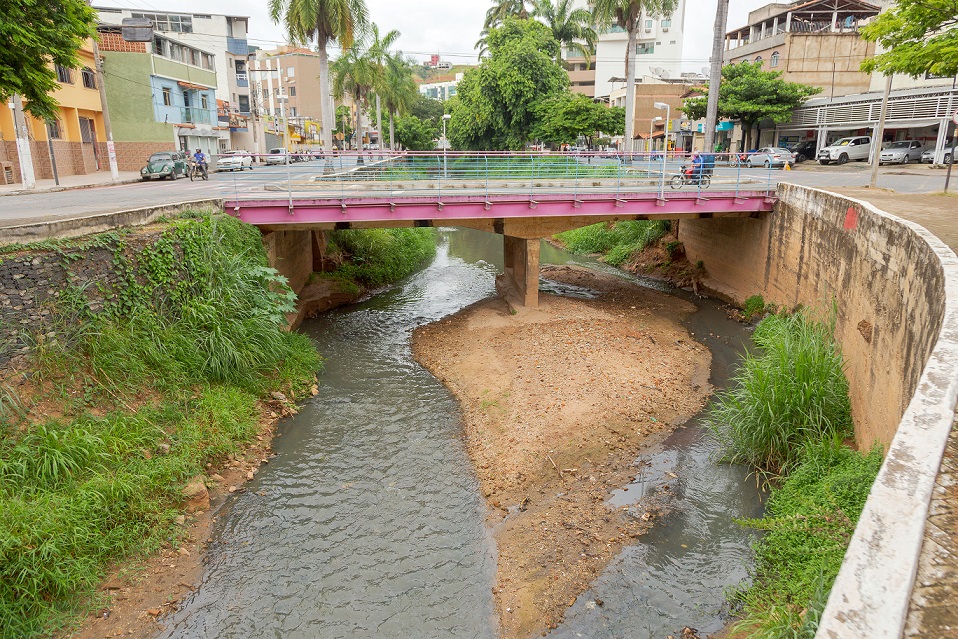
<point x="190" y="85"/>
<point x="657" y="134"/>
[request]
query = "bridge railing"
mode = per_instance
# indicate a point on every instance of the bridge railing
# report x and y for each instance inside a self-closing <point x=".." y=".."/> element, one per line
<point x="435" y="174"/>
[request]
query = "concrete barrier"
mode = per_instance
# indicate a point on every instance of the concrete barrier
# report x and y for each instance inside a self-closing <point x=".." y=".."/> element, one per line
<point x="895" y="287"/>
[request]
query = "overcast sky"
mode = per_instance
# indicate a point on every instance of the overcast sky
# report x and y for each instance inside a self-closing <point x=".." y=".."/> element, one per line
<point x="447" y="27"/>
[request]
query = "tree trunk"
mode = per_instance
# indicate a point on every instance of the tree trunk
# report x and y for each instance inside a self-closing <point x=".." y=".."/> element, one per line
<point x="715" y="74"/>
<point x="379" y="122"/>
<point x="359" y="129"/>
<point x="392" y="131"/>
<point x="630" y="91"/>
<point x="329" y="113"/>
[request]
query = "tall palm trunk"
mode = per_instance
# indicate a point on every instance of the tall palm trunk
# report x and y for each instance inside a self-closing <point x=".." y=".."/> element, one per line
<point x="379" y="121"/>
<point x="325" y="100"/>
<point x="359" y="128"/>
<point x="630" y="90"/>
<point x="392" y="132"/>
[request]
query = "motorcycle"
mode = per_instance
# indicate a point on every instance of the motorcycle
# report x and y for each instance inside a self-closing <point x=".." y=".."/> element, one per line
<point x="197" y="170"/>
<point x="691" y="176"/>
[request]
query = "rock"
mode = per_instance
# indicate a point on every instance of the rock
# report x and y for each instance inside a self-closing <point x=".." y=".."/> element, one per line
<point x="181" y="519"/>
<point x="314" y="391"/>
<point x="232" y="489"/>
<point x="217" y="477"/>
<point x="154" y="612"/>
<point x="183" y="552"/>
<point x="278" y="396"/>
<point x="249" y="475"/>
<point x="162" y="449"/>
<point x="196" y="494"/>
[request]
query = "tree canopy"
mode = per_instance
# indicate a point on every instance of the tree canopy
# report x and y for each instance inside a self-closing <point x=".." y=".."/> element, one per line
<point x="750" y="95"/>
<point x="921" y="36"/>
<point x="497" y="100"/>
<point x="566" y="117"/>
<point x="34" y="36"/>
<point x="414" y="134"/>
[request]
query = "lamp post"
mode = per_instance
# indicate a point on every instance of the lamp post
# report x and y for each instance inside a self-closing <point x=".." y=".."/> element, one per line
<point x="445" y="143"/>
<point x="651" y="128"/>
<point x="668" y="113"/>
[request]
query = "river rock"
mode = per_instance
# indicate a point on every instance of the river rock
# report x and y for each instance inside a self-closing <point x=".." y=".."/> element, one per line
<point x="196" y="494"/>
<point x="278" y="396"/>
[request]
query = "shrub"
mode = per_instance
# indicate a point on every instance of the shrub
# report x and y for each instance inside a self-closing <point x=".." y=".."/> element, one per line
<point x="791" y="395"/>
<point x="754" y="305"/>
<point x="380" y="256"/>
<point x="617" y="242"/>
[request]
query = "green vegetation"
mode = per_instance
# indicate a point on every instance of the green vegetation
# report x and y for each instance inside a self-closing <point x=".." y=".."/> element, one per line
<point x="753" y="306"/>
<point x="790" y="396"/>
<point x="917" y="38"/>
<point x="618" y="242"/>
<point x="375" y="257"/>
<point x="787" y="415"/>
<point x="809" y="522"/>
<point x="150" y="380"/>
<point x="517" y="168"/>
<point x="566" y="117"/>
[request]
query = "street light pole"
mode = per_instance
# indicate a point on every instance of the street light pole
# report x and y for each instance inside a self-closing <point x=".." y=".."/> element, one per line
<point x="110" y="148"/>
<point x="651" y="129"/>
<point x="665" y="152"/>
<point x="445" y="143"/>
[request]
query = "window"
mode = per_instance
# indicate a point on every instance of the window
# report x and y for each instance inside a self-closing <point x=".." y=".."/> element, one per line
<point x="89" y="79"/>
<point x="773" y="61"/>
<point x="648" y="24"/>
<point x="53" y="130"/>
<point x="64" y="75"/>
<point x="168" y="22"/>
<point x="204" y="101"/>
<point x="158" y="46"/>
<point x="758" y="58"/>
<point x="244" y="104"/>
<point x="644" y="48"/>
<point x="672" y="41"/>
<point x="292" y="112"/>
<point x="292" y="92"/>
<point x="291" y="72"/>
<point x="167" y="96"/>
<point x="186" y="98"/>
<point x="667" y="22"/>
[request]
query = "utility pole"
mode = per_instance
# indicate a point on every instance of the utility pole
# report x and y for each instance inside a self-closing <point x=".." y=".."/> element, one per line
<point x="23" y="143"/>
<point x="110" y="148"/>
<point x="879" y="133"/>
<point x="715" y="76"/>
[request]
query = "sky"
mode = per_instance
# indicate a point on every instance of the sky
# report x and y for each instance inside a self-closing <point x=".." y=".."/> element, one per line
<point x="447" y="27"/>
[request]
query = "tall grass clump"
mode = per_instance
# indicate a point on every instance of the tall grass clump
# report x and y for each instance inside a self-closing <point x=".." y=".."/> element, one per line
<point x="791" y="395"/>
<point x="809" y="521"/>
<point x="375" y="257"/>
<point x="173" y="358"/>
<point x="616" y="242"/>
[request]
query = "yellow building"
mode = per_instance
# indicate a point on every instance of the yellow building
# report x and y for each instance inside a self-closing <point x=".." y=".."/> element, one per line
<point x="78" y="135"/>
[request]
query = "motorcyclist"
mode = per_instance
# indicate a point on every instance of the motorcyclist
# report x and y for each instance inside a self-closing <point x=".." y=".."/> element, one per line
<point x="693" y="171"/>
<point x="200" y="158"/>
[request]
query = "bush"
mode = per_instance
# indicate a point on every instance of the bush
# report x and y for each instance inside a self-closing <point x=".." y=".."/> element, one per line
<point x="376" y="257"/>
<point x="754" y="305"/>
<point x="617" y="242"/>
<point x="791" y="395"/>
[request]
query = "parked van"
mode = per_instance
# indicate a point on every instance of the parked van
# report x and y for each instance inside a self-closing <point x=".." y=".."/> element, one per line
<point x="845" y="149"/>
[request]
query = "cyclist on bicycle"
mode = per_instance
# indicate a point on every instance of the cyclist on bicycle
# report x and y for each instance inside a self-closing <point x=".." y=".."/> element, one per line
<point x="200" y="159"/>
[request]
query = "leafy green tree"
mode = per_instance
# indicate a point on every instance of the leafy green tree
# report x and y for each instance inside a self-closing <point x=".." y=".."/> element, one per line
<point x="920" y="37"/>
<point x="355" y="74"/>
<point x="34" y="36"/>
<point x="571" y="27"/>
<point x="342" y="124"/>
<point x="414" y="134"/>
<point x="324" y="21"/>
<point x="496" y="102"/>
<point x="378" y="53"/>
<point x="750" y="95"/>
<point x="566" y="117"/>
<point x="627" y="14"/>
<point x="399" y="92"/>
<point x="428" y="109"/>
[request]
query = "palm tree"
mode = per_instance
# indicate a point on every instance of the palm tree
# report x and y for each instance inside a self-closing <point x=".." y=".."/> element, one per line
<point x="378" y="54"/>
<point x="325" y="21"/>
<point x="570" y="26"/>
<point x="399" y="92"/>
<point x="355" y="74"/>
<point x="502" y="9"/>
<point x="627" y="15"/>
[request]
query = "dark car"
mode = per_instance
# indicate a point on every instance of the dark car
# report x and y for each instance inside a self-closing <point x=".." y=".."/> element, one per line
<point x="167" y="164"/>
<point x="805" y="150"/>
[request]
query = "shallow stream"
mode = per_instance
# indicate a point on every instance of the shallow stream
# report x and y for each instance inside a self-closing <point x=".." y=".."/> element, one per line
<point x="368" y="522"/>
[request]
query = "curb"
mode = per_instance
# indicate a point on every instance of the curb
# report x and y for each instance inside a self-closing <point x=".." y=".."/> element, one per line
<point x="57" y="189"/>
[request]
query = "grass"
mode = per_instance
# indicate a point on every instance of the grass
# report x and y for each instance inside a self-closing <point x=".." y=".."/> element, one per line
<point x="376" y="257"/>
<point x="791" y="395"/>
<point x="617" y="242"/>
<point x="178" y="355"/>
<point x="465" y="168"/>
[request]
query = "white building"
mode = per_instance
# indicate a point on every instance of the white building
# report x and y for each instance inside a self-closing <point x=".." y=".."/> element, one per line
<point x="442" y="89"/>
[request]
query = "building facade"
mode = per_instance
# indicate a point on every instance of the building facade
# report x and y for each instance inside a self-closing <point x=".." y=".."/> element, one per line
<point x="441" y="88"/>
<point x="77" y="136"/>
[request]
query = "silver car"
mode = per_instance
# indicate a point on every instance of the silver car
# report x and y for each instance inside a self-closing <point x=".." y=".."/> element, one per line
<point x="901" y="152"/>
<point x="944" y="156"/>
<point x="771" y="156"/>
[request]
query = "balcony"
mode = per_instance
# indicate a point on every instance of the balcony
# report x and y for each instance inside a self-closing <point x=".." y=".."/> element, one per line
<point x="195" y="115"/>
<point x="242" y="80"/>
<point x="237" y="46"/>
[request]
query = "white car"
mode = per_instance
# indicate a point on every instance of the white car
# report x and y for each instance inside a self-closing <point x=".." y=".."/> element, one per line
<point x="901" y="152"/>
<point x="234" y="160"/>
<point x="771" y="156"/>
<point x="845" y="149"/>
<point x="277" y="156"/>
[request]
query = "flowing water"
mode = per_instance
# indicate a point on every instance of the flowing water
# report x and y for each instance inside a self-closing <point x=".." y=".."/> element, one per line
<point x="368" y="522"/>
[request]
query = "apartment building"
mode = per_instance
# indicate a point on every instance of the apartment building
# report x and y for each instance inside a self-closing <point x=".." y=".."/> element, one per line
<point x="76" y="137"/>
<point x="286" y="96"/>
<point x="442" y="87"/>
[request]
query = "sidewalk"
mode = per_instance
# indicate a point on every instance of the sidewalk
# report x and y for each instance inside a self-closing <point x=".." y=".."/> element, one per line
<point x="100" y="178"/>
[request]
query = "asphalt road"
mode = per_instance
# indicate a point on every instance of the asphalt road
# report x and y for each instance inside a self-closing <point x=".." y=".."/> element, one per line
<point x="21" y="209"/>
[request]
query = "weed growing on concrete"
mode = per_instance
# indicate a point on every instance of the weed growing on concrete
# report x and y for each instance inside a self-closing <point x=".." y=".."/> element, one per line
<point x="173" y="359"/>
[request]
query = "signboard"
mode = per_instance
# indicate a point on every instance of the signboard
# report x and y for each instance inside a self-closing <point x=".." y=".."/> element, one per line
<point x="137" y="29"/>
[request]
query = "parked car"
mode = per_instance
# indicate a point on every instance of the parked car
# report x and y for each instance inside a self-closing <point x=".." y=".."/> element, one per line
<point x="901" y="152"/>
<point x="943" y="156"/>
<point x="277" y="156"/>
<point x="166" y="164"/>
<point x="770" y="157"/>
<point x="234" y="160"/>
<point x="845" y="149"/>
<point x="804" y="150"/>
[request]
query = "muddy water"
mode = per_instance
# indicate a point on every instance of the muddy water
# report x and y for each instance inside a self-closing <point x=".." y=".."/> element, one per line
<point x="368" y="522"/>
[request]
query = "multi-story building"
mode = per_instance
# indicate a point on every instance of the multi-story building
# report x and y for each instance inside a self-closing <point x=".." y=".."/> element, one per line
<point x="286" y="85"/>
<point x="222" y="36"/>
<point x="581" y="73"/>
<point x="812" y="42"/>
<point x="162" y="96"/>
<point x="442" y="87"/>
<point x="76" y="136"/>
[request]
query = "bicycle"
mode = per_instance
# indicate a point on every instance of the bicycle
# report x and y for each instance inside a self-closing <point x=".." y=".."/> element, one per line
<point x="196" y="170"/>
<point x="689" y="177"/>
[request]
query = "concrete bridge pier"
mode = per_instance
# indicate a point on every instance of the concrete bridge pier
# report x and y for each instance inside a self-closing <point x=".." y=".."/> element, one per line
<point x="519" y="284"/>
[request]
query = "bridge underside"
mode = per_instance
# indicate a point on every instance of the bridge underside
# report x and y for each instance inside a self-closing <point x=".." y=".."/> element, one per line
<point x="292" y="230"/>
